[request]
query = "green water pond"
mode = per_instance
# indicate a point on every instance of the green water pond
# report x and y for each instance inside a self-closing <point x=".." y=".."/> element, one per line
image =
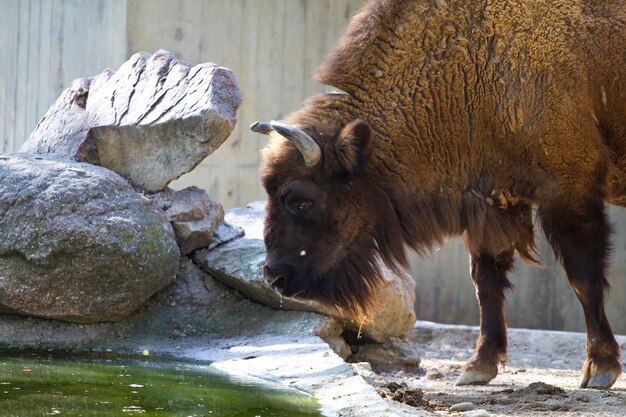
<point x="36" y="386"/>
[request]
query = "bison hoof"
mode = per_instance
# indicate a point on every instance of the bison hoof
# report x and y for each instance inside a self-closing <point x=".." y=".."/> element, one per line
<point x="600" y="376"/>
<point x="475" y="377"/>
<point x="481" y="369"/>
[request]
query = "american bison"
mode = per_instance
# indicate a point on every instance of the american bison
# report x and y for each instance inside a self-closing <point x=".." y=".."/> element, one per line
<point x="456" y="117"/>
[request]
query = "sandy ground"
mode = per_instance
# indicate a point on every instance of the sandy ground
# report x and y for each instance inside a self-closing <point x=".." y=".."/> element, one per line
<point x="540" y="379"/>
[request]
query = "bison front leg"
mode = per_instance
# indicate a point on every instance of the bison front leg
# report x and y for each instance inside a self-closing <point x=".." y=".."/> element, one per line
<point x="489" y="276"/>
<point x="580" y="237"/>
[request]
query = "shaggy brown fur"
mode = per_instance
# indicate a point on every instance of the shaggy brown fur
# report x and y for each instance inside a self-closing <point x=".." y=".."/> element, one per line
<point x="458" y="118"/>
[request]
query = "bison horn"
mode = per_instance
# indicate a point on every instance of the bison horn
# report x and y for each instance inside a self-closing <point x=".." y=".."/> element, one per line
<point x="261" y="127"/>
<point x="310" y="150"/>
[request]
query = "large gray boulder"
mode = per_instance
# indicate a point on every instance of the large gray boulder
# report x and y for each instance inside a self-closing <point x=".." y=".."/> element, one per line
<point x="77" y="243"/>
<point x="151" y="121"/>
<point x="239" y="264"/>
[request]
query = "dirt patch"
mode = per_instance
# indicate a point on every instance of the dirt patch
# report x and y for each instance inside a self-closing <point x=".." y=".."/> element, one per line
<point x="403" y="394"/>
<point x="541" y="377"/>
<point x="537" y="388"/>
<point x="535" y="399"/>
<point x="537" y="396"/>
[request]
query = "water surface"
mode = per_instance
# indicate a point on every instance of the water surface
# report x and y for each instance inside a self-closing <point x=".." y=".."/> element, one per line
<point x="31" y="387"/>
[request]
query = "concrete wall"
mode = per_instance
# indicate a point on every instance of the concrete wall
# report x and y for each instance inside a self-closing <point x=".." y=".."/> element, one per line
<point x="45" y="45"/>
<point x="273" y="46"/>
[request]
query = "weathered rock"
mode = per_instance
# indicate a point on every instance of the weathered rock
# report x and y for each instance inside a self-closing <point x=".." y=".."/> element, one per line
<point x="394" y="314"/>
<point x="151" y="121"/>
<point x="224" y="233"/>
<point x="77" y="243"/>
<point x="339" y="346"/>
<point x="194" y="216"/>
<point x="194" y="234"/>
<point x="434" y="374"/>
<point x="392" y="355"/>
<point x="239" y="264"/>
<point x="464" y="406"/>
<point x="364" y="370"/>
<point x="191" y="203"/>
<point x="331" y="333"/>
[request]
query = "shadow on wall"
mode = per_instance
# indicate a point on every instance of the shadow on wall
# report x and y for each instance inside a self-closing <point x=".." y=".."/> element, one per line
<point x="542" y="298"/>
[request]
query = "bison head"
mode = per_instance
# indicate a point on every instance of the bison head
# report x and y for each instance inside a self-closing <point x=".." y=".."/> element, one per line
<point x="327" y="220"/>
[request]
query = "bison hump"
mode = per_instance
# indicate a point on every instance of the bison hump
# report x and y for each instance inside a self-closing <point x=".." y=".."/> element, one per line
<point x="378" y="35"/>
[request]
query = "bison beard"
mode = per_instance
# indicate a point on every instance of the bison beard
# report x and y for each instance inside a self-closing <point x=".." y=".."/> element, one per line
<point x="349" y="287"/>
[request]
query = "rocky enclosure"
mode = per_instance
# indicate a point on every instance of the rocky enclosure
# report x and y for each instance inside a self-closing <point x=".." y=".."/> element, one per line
<point x="97" y="253"/>
<point x="85" y="256"/>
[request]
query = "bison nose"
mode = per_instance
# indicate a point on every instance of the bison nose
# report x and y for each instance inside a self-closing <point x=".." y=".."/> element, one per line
<point x="271" y="274"/>
<point x="276" y="277"/>
<point x="268" y="271"/>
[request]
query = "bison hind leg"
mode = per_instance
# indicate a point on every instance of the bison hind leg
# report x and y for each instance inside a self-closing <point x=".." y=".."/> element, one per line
<point x="579" y="234"/>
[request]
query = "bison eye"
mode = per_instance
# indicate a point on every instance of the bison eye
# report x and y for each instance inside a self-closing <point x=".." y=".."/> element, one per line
<point x="299" y="206"/>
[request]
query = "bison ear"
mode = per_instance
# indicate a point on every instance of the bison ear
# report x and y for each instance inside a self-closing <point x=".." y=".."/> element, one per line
<point x="354" y="146"/>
